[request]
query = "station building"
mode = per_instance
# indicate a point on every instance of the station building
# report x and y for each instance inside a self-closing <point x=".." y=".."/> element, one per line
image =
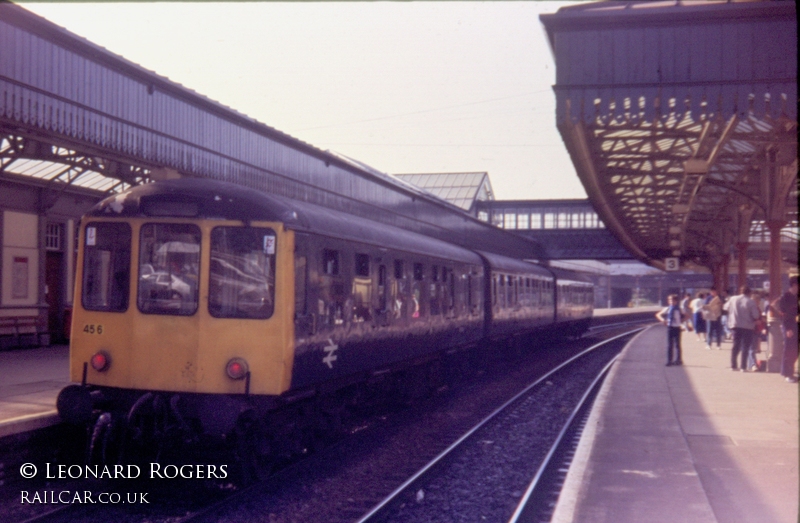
<point x="38" y="227"/>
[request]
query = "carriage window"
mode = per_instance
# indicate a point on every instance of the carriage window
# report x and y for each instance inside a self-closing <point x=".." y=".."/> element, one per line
<point x="242" y="272"/>
<point x="330" y="262"/>
<point x="398" y="269"/>
<point x="362" y="265"/>
<point x="169" y="264"/>
<point x="419" y="273"/>
<point x="106" y="267"/>
<point x="450" y="283"/>
<point x="382" y="287"/>
<point x="300" y="279"/>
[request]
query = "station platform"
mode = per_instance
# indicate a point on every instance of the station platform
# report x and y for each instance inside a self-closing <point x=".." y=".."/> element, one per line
<point x="30" y="380"/>
<point x="694" y="443"/>
<point x="623" y="311"/>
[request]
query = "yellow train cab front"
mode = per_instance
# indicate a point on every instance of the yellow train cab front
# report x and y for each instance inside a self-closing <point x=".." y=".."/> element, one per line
<point x="182" y="305"/>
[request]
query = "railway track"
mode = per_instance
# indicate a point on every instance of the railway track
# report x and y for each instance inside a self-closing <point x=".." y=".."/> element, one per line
<point x="394" y="468"/>
<point x="479" y="476"/>
<point x="540" y="498"/>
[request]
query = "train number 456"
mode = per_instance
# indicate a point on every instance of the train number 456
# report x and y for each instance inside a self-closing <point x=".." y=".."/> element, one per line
<point x="93" y="329"/>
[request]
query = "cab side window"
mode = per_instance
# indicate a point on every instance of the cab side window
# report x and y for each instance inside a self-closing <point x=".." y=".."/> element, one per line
<point x="106" y="266"/>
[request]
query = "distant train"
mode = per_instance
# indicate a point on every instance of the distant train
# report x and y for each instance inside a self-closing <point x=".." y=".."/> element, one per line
<point x="204" y="308"/>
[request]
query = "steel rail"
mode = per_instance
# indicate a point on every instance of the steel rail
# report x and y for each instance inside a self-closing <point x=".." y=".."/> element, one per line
<point x="607" y="326"/>
<point x="523" y="503"/>
<point x="45" y="515"/>
<point x="377" y="509"/>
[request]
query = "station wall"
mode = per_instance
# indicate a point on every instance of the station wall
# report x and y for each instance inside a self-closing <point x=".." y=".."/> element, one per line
<point x="38" y="225"/>
<point x="20" y="259"/>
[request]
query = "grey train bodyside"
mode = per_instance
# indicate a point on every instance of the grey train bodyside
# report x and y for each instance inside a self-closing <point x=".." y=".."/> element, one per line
<point x="371" y="298"/>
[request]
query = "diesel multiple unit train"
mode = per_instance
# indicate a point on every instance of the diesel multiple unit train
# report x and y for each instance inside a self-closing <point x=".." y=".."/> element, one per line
<point x="205" y="308"/>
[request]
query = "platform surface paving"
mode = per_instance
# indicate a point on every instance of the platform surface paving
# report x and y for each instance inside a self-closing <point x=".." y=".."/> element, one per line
<point x="30" y="380"/>
<point x="696" y="443"/>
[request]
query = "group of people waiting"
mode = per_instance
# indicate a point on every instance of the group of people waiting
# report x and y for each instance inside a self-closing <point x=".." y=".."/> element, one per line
<point x="742" y="317"/>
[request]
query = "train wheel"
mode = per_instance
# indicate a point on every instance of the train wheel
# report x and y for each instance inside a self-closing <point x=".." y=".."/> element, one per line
<point x="154" y="430"/>
<point x="101" y="441"/>
<point x="331" y="419"/>
<point x="252" y="449"/>
<point x="414" y="384"/>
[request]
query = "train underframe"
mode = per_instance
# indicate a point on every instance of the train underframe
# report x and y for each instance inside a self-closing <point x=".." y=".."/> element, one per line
<point x="257" y="433"/>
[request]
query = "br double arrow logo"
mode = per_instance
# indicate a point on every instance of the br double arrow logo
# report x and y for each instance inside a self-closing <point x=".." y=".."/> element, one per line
<point x="330" y="357"/>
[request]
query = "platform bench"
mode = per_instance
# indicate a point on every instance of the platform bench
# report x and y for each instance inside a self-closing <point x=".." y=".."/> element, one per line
<point x="19" y="331"/>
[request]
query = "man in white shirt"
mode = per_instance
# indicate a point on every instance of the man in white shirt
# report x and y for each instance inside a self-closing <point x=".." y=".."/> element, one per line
<point x="742" y="315"/>
<point x="672" y="317"/>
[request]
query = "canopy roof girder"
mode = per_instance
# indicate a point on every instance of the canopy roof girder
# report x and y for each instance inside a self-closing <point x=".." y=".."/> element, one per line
<point x="672" y="136"/>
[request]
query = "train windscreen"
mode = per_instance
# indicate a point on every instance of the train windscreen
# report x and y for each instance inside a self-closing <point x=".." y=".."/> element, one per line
<point x="242" y="272"/>
<point x="169" y="265"/>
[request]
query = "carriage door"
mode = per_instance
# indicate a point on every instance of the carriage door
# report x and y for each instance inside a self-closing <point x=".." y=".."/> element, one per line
<point x="54" y="280"/>
<point x="303" y="319"/>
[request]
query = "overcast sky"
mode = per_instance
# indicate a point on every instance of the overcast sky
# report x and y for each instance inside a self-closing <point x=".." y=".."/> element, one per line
<point x="402" y="86"/>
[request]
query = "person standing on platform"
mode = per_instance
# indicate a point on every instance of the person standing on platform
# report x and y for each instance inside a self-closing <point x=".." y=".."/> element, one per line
<point x="785" y="308"/>
<point x="726" y="329"/>
<point x="713" y="310"/>
<point x="673" y="318"/>
<point x="742" y="315"/>
<point x="697" y="316"/>
<point x="758" y="330"/>
<point x="686" y="310"/>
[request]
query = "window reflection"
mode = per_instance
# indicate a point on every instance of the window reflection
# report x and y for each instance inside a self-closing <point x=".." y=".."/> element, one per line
<point x="106" y="266"/>
<point x="169" y="262"/>
<point x="242" y="272"/>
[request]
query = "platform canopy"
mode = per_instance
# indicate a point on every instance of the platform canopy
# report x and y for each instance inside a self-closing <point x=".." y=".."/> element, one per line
<point x="681" y="120"/>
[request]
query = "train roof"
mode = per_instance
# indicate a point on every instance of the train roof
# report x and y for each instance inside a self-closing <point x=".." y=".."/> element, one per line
<point x="200" y="198"/>
<point x="568" y="276"/>
<point x="504" y="263"/>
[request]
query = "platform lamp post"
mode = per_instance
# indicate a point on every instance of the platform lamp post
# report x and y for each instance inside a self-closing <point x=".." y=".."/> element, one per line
<point x="725" y="276"/>
<point x="720" y="269"/>
<point x="745" y="217"/>
<point x="776" y="184"/>
<point x="775" y="227"/>
<point x="776" y="181"/>
<point x="741" y="271"/>
<point x="775" y="338"/>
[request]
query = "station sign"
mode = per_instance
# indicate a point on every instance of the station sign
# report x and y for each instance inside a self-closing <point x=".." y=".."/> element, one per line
<point x="672" y="264"/>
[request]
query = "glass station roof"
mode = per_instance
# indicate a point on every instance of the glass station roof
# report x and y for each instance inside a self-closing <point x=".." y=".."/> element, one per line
<point x="65" y="167"/>
<point x="460" y="189"/>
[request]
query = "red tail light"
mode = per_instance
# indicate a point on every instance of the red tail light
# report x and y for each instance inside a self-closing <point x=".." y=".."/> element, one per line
<point x="236" y="368"/>
<point x="101" y="361"/>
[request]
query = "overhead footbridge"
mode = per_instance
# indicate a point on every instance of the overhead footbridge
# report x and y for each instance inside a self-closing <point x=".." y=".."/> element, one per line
<point x="681" y="121"/>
